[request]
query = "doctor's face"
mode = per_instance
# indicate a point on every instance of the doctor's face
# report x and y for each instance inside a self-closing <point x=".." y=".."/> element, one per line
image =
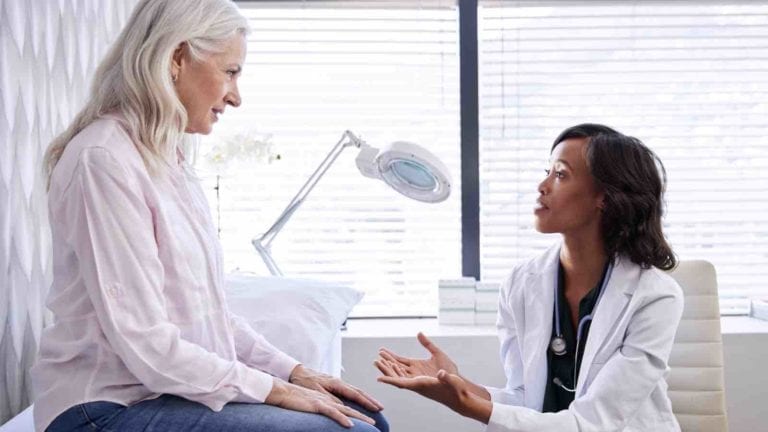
<point x="569" y="199"/>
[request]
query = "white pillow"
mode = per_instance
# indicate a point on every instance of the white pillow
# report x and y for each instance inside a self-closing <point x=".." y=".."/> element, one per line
<point x="301" y="317"/>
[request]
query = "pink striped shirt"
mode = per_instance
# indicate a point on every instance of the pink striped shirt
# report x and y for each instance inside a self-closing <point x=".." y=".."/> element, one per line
<point x="137" y="293"/>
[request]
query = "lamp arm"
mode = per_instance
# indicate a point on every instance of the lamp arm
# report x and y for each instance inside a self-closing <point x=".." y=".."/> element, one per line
<point x="262" y="244"/>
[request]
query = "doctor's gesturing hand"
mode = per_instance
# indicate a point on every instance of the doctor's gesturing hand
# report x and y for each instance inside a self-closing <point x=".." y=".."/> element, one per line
<point x="436" y="378"/>
<point x="427" y="367"/>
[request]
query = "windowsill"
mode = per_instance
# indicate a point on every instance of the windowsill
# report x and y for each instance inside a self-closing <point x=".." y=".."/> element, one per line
<point x="743" y="325"/>
<point x="408" y="327"/>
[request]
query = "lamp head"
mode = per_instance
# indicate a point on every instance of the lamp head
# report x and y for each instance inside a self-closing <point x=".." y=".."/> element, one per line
<point x="407" y="168"/>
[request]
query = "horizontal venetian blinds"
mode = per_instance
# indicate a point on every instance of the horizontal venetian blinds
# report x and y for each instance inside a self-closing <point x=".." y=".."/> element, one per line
<point x="688" y="78"/>
<point x="387" y="71"/>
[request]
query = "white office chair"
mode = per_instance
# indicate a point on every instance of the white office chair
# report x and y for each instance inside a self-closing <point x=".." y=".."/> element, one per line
<point x="696" y="385"/>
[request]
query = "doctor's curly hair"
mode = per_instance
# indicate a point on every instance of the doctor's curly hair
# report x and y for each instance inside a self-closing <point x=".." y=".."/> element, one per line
<point x="633" y="180"/>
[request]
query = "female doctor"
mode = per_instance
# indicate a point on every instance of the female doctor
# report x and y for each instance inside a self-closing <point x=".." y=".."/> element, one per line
<point x="586" y="328"/>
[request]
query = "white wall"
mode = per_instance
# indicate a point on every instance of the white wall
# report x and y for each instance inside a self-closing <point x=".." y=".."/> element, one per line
<point x="475" y="350"/>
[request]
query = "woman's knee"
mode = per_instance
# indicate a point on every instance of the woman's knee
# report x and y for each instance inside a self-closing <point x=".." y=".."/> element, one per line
<point x="361" y="426"/>
<point x="381" y="422"/>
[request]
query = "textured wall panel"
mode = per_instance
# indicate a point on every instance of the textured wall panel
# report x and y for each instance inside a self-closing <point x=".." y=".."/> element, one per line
<point x="48" y="52"/>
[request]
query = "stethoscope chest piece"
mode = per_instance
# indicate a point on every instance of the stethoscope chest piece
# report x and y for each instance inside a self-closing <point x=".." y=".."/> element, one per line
<point x="557" y="345"/>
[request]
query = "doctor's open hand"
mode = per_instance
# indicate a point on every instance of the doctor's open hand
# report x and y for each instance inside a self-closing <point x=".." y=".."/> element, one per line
<point x="449" y="389"/>
<point x="333" y="387"/>
<point x="422" y="367"/>
<point x="412" y="368"/>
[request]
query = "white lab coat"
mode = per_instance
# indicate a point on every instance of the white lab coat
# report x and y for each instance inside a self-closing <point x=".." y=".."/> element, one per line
<point x="621" y="384"/>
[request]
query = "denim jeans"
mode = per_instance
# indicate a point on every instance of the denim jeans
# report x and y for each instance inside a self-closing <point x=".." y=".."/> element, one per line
<point x="171" y="413"/>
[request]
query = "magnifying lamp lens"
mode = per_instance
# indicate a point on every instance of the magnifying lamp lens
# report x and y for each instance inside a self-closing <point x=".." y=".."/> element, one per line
<point x="413" y="174"/>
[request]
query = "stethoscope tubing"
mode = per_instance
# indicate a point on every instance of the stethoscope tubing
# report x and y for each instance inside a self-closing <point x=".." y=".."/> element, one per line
<point x="580" y="327"/>
<point x="583" y="320"/>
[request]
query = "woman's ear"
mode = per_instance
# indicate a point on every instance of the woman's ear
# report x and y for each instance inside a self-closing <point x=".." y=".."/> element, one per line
<point x="601" y="201"/>
<point x="177" y="60"/>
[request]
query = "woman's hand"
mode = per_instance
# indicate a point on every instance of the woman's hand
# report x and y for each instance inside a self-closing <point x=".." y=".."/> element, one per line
<point x="450" y="390"/>
<point x="422" y="367"/>
<point x="333" y="387"/>
<point x="296" y="398"/>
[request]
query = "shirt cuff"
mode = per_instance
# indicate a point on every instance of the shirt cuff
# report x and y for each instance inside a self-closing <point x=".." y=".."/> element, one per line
<point x="494" y="392"/>
<point x="254" y="385"/>
<point x="282" y="365"/>
<point x="496" y="421"/>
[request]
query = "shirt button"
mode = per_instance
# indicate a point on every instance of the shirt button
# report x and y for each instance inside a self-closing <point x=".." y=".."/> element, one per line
<point x="113" y="291"/>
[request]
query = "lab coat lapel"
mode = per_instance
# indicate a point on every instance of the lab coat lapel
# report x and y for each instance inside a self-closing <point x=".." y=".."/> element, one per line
<point x="539" y="307"/>
<point x="615" y="299"/>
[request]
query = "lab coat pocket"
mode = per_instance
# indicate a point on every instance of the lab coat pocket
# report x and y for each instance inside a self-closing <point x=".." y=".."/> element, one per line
<point x="611" y="345"/>
<point x="605" y="354"/>
<point x="601" y="358"/>
<point x="594" y="369"/>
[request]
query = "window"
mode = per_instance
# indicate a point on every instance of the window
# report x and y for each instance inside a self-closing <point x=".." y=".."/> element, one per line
<point x="688" y="78"/>
<point x="385" y="70"/>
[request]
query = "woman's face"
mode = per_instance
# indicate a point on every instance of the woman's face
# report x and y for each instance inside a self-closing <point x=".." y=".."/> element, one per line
<point x="569" y="198"/>
<point x="207" y="86"/>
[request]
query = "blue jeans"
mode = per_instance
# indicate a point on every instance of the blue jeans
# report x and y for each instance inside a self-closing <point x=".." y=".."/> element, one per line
<point x="171" y="413"/>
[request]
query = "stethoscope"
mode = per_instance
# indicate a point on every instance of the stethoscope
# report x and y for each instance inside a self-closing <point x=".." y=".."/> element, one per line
<point x="557" y="344"/>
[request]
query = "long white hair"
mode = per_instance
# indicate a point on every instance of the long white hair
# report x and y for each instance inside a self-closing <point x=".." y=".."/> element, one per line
<point x="134" y="79"/>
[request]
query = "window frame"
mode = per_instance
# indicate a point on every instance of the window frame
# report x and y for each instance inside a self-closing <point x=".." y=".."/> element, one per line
<point x="468" y="36"/>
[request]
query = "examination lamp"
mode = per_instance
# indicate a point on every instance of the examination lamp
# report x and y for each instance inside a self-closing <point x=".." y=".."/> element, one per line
<point x="406" y="167"/>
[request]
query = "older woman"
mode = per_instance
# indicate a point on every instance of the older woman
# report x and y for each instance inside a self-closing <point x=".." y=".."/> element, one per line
<point x="142" y="338"/>
<point x="586" y="328"/>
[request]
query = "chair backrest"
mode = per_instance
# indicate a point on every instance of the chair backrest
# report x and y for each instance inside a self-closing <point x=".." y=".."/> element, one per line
<point x="696" y="385"/>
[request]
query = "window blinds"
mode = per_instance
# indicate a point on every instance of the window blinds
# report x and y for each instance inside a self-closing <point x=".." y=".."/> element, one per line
<point x="688" y="78"/>
<point x="385" y="70"/>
